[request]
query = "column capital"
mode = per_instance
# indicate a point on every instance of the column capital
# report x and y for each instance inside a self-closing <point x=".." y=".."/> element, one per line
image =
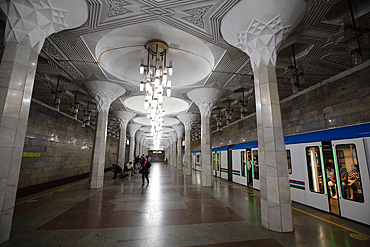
<point x="132" y="128"/>
<point x="105" y="93"/>
<point x="142" y="139"/>
<point x="103" y="100"/>
<point x="259" y="29"/>
<point x="124" y="117"/>
<point x="31" y="21"/>
<point x="262" y="40"/>
<point x="139" y="134"/>
<point x="179" y="130"/>
<point x="188" y="120"/>
<point x="173" y="136"/>
<point x="205" y="99"/>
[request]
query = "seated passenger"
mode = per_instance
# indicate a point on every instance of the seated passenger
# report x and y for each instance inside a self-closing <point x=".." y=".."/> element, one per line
<point x="331" y="181"/>
<point x="354" y="182"/>
<point x="117" y="169"/>
<point x="130" y="167"/>
<point x="344" y="177"/>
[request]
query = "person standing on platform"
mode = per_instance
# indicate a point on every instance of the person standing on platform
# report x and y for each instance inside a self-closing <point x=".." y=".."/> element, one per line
<point x="145" y="170"/>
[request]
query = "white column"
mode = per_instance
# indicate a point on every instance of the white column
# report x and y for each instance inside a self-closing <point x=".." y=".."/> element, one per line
<point x="169" y="151"/>
<point x="179" y="130"/>
<point x="123" y="117"/>
<point x="205" y="99"/>
<point x="132" y="128"/>
<point x="103" y="101"/>
<point x="261" y="45"/>
<point x="187" y="120"/>
<point x="139" y="134"/>
<point x="174" y="149"/>
<point x="25" y="33"/>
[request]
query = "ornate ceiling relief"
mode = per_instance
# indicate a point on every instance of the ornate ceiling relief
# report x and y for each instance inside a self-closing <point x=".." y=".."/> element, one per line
<point x="197" y="15"/>
<point x="242" y="76"/>
<point x="49" y="49"/>
<point x="52" y="51"/>
<point x="116" y="7"/>
<point x="344" y="60"/>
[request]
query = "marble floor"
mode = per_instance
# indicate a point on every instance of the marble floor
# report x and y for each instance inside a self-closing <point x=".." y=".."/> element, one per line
<point x="173" y="210"/>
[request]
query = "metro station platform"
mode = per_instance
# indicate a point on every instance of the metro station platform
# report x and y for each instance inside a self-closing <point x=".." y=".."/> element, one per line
<point x="173" y="210"/>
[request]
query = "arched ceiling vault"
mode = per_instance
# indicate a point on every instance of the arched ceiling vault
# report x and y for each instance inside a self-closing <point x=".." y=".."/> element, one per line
<point x="72" y="56"/>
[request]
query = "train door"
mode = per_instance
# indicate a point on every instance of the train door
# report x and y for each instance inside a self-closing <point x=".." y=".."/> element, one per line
<point x="230" y="163"/>
<point x="249" y="167"/>
<point x="316" y="195"/>
<point x="354" y="185"/>
<point x="255" y="168"/>
<point x="216" y="163"/>
<point x="330" y="174"/>
<point x="193" y="163"/>
<point x="243" y="164"/>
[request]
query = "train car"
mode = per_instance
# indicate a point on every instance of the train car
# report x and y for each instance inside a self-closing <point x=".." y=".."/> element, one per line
<point x="328" y="169"/>
<point x="245" y="167"/>
<point x="220" y="161"/>
<point x="196" y="160"/>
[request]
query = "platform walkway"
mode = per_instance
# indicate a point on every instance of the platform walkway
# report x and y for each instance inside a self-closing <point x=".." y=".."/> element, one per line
<point x="172" y="211"/>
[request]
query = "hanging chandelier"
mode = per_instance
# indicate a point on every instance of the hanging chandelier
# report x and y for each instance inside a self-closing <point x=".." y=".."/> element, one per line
<point x="155" y="82"/>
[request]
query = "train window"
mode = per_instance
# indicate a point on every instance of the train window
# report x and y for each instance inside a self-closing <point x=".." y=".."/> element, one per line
<point x="314" y="170"/>
<point x="349" y="173"/>
<point x="255" y="165"/>
<point x="242" y="158"/>
<point x="289" y="159"/>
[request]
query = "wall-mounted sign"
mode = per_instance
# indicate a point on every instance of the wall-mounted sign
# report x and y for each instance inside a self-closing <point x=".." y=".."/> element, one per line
<point x="31" y="154"/>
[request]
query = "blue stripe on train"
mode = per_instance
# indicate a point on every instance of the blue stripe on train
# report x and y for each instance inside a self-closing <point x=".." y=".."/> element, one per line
<point x="348" y="132"/>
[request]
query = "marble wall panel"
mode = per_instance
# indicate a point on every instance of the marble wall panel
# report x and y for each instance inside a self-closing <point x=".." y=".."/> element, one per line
<point x="65" y="147"/>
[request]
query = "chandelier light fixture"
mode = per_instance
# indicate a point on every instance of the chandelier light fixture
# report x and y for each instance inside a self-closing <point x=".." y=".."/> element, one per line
<point x="75" y="107"/>
<point x="57" y="99"/>
<point x="155" y="81"/>
<point x="296" y="75"/>
<point x="355" y="34"/>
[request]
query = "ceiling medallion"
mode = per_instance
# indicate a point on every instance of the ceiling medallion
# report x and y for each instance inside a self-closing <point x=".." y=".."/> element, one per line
<point x="155" y="80"/>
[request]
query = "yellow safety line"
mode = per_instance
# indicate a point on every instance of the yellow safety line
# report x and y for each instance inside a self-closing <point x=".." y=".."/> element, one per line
<point x="49" y="192"/>
<point x="349" y="229"/>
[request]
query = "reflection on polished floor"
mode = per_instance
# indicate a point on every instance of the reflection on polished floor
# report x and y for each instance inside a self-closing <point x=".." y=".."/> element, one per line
<point x="172" y="211"/>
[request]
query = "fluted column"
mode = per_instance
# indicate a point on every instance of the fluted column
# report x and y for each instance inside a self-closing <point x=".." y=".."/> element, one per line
<point x="27" y="26"/>
<point x="123" y="117"/>
<point x="261" y="41"/>
<point x="205" y="99"/>
<point x="179" y="130"/>
<point x="187" y="120"/>
<point x="132" y="128"/>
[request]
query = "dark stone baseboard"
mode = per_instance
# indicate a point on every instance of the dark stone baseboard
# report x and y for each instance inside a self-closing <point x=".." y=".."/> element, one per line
<point x="33" y="189"/>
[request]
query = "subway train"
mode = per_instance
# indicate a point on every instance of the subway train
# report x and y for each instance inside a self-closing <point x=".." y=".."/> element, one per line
<point x="328" y="169"/>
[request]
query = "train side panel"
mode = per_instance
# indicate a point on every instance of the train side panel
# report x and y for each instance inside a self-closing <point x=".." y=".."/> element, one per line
<point x="236" y="168"/>
<point x="297" y="178"/>
<point x="224" y="168"/>
<point x="352" y="209"/>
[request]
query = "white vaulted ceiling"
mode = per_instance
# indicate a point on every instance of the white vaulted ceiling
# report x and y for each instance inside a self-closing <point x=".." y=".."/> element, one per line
<point x="119" y="52"/>
<point x="110" y="45"/>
